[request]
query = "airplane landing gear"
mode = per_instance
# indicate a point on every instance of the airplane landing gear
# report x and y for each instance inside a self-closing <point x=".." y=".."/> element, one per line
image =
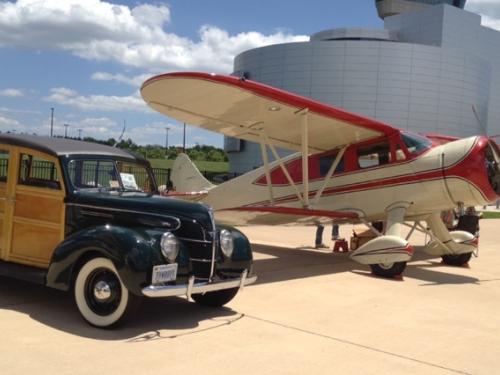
<point x="456" y="259"/>
<point x="388" y="269"/>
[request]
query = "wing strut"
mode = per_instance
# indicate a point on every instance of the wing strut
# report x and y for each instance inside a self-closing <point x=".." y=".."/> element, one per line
<point x="304" y="196"/>
<point x="283" y="168"/>
<point x="265" y="160"/>
<point x="329" y="174"/>
<point x="305" y="156"/>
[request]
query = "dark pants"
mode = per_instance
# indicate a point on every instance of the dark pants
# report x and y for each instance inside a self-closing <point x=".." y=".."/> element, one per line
<point x="319" y="233"/>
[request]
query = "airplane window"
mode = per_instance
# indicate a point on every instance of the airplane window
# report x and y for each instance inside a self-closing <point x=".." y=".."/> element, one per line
<point x="374" y="155"/>
<point x="325" y="162"/>
<point x="400" y="155"/>
<point x="415" y="143"/>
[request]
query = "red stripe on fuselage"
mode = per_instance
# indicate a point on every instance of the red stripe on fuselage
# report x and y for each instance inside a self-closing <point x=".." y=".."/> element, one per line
<point x="465" y="169"/>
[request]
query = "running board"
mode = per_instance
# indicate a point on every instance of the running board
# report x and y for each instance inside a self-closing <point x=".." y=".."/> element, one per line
<point x="21" y="272"/>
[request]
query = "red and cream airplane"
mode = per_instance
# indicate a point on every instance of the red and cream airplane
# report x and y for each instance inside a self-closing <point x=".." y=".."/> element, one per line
<point x="348" y="168"/>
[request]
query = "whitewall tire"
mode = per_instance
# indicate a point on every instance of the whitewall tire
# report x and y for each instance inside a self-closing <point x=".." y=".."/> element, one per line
<point x="101" y="297"/>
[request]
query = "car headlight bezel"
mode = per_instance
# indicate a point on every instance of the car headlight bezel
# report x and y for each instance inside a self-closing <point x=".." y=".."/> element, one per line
<point x="170" y="246"/>
<point x="226" y="241"/>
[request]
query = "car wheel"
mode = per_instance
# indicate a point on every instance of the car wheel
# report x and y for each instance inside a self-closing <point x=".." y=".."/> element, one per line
<point x="456" y="259"/>
<point x="389" y="269"/>
<point x="101" y="297"/>
<point x="215" y="299"/>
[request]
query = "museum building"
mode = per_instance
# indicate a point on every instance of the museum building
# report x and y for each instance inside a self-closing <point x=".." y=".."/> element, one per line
<point x="432" y="69"/>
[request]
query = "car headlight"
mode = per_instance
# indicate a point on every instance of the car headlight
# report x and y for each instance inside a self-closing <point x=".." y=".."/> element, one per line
<point x="226" y="242"/>
<point x="169" y="245"/>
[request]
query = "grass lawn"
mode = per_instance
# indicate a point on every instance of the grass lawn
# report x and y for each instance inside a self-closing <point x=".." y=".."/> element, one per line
<point x="210" y="166"/>
<point x="491" y="215"/>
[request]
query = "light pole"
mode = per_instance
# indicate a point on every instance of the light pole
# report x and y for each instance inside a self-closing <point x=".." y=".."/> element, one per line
<point x="66" y="130"/>
<point x="184" y="139"/>
<point x="166" y="141"/>
<point x="80" y="133"/>
<point x="51" y="122"/>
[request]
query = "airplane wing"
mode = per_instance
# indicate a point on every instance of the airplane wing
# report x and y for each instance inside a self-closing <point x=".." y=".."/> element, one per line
<point x="256" y="112"/>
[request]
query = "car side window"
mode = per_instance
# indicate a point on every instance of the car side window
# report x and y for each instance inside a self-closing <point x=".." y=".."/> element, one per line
<point x="85" y="174"/>
<point x="38" y="172"/>
<point x="4" y="165"/>
<point x="374" y="155"/>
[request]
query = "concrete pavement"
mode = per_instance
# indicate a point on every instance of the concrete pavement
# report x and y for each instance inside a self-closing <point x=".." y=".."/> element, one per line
<point x="311" y="312"/>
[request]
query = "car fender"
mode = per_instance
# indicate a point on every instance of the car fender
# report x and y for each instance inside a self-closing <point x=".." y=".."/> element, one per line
<point x="133" y="252"/>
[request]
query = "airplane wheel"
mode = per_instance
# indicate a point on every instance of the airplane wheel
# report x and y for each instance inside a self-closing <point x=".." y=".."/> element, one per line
<point x="388" y="269"/>
<point x="217" y="298"/>
<point x="456" y="259"/>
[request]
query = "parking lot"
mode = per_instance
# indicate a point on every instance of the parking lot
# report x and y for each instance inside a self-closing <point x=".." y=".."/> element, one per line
<point x="311" y="312"/>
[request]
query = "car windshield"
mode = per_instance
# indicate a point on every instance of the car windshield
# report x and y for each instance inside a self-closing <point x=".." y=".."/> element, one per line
<point x="415" y="143"/>
<point x="109" y="175"/>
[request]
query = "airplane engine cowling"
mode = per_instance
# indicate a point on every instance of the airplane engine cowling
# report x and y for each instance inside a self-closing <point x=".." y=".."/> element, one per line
<point x="472" y="172"/>
<point x="383" y="249"/>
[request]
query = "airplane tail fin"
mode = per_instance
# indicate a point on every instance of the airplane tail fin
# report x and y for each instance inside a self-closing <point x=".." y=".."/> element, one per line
<point x="186" y="177"/>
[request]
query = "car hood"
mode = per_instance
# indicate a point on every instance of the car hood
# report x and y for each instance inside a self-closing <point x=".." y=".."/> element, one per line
<point x="143" y="204"/>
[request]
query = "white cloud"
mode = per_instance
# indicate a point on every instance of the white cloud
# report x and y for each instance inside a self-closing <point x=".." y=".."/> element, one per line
<point x="488" y="9"/>
<point x="99" y="30"/>
<point x="12" y="125"/>
<point x="68" y="97"/>
<point x="135" y="81"/>
<point x="8" y="122"/>
<point x="13" y="93"/>
<point x="25" y="111"/>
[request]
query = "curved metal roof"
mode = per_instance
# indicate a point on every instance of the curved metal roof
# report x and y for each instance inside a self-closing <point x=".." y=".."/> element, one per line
<point x="63" y="146"/>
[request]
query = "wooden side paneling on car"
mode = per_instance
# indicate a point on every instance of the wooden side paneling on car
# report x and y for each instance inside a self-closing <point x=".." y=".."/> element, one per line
<point x="32" y="205"/>
<point x="3" y="196"/>
<point x="37" y="218"/>
<point x="33" y="244"/>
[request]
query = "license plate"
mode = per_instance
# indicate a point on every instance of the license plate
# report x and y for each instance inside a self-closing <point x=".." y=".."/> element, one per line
<point x="164" y="273"/>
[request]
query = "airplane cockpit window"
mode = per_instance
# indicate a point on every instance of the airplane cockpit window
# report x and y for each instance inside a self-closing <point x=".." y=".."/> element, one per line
<point x="374" y="155"/>
<point x="325" y="162"/>
<point x="415" y="143"/>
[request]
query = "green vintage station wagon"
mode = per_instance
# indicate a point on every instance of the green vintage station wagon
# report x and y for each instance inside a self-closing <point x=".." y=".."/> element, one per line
<point x="88" y="218"/>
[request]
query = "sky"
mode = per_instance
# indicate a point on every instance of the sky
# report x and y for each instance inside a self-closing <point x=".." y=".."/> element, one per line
<point x="88" y="58"/>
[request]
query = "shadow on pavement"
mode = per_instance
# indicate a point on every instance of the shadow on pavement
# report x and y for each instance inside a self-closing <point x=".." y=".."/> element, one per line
<point x="166" y="318"/>
<point x="283" y="263"/>
<point x="170" y="318"/>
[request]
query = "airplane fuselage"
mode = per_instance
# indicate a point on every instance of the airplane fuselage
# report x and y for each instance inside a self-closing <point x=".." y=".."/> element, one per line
<point x="437" y="178"/>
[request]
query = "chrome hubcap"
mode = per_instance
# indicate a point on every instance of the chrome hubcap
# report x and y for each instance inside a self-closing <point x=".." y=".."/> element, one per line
<point x="102" y="291"/>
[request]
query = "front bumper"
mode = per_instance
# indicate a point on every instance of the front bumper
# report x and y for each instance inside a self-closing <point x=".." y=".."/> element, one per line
<point x="193" y="287"/>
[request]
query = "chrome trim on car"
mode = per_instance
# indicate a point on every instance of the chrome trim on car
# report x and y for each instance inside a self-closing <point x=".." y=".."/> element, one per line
<point x="200" y="260"/>
<point x="214" y="241"/>
<point x="192" y="240"/>
<point x="177" y="220"/>
<point x="193" y="287"/>
<point x="97" y="214"/>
